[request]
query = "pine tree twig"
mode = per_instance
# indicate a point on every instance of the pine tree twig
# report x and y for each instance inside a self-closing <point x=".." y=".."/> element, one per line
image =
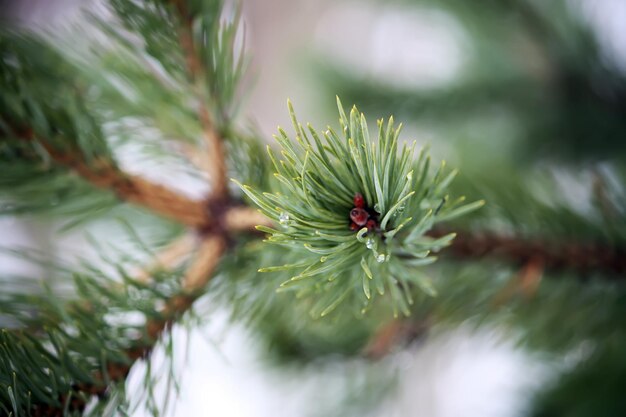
<point x="200" y="215"/>
<point x="216" y="152"/>
<point x="394" y="333"/>
<point x="198" y="159"/>
<point x="601" y="196"/>
<point x="244" y="219"/>
<point x="402" y="332"/>
<point x="103" y="173"/>
<point x="526" y="283"/>
<point x="575" y="256"/>
<point x="384" y="339"/>
<point x="185" y="35"/>
<point x="134" y="189"/>
<point x="198" y="275"/>
<point x="535" y="256"/>
<point x="530" y="277"/>
<point x="170" y="257"/>
<point x="205" y="261"/>
<point x="195" y="69"/>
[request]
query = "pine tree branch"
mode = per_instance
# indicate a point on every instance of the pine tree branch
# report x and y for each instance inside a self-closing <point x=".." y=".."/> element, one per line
<point x="244" y="219"/>
<point x="395" y="333"/>
<point x="198" y="159"/>
<point x="103" y="173"/>
<point x="133" y="188"/>
<point x="577" y="256"/>
<point x="196" y="71"/>
<point x="197" y="277"/>
<point x="206" y="259"/>
<point x="201" y="270"/>
<point x="171" y="256"/>
<point x="525" y="282"/>
<point x="161" y="200"/>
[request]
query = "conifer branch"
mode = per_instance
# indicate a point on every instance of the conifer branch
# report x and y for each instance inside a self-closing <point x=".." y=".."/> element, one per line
<point x="196" y="157"/>
<point x="212" y="138"/>
<point x="244" y="219"/>
<point x="575" y="256"/>
<point x="197" y="276"/>
<point x="133" y="188"/>
<point x="105" y="174"/>
<point x="526" y="283"/>
<point x="201" y="270"/>
<point x="171" y="256"/>
<point x="353" y="219"/>
<point x="395" y="333"/>
<point x="216" y="152"/>
<point x="206" y="259"/>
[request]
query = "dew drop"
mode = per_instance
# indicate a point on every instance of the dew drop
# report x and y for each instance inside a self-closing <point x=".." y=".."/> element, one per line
<point x="369" y="243"/>
<point x="380" y="258"/>
<point x="283" y="218"/>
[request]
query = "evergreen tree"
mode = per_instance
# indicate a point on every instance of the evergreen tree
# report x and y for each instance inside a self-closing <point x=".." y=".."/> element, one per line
<point x="328" y="242"/>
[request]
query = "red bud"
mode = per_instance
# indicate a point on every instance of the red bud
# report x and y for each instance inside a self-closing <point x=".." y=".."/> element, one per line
<point x="359" y="201"/>
<point x="359" y="216"/>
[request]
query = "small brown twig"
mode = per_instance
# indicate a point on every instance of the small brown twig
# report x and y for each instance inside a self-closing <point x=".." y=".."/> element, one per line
<point x="195" y="69"/>
<point x="133" y="188"/>
<point x="198" y="159"/>
<point x="103" y="173"/>
<point x="169" y="257"/>
<point x="394" y="333"/>
<point x="534" y="256"/>
<point x="525" y="282"/>
<point x="575" y="256"/>
<point x="198" y="275"/>
<point x="206" y="259"/>
<point x="244" y="219"/>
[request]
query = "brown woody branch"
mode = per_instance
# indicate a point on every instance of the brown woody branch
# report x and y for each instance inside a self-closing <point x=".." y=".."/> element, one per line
<point x="196" y="71"/>
<point x="533" y="256"/>
<point x="232" y="218"/>
<point x="104" y="173"/>
<point x="133" y="188"/>
<point x="168" y="258"/>
<point x="394" y="333"/>
<point x="244" y="219"/>
<point x="576" y="256"/>
<point x="227" y="218"/>
<point x="198" y="275"/>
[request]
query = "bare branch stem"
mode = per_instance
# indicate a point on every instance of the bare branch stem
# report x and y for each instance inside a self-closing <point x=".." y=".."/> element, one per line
<point x="196" y="71"/>
<point x="135" y="189"/>
<point x="575" y="256"/>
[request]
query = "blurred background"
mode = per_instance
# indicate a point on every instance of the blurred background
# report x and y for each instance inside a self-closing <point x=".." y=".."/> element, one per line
<point x="499" y="88"/>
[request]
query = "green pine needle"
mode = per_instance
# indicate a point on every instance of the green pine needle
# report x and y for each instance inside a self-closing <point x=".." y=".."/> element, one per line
<point x="318" y="176"/>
